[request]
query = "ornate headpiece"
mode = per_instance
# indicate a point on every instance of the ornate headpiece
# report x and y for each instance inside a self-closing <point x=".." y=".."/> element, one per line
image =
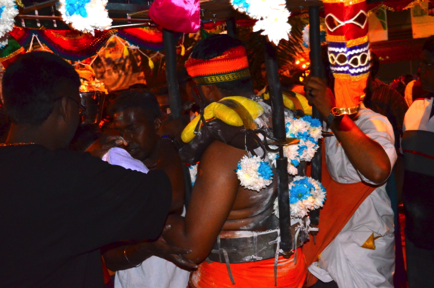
<point x="348" y="51"/>
<point x="230" y="66"/>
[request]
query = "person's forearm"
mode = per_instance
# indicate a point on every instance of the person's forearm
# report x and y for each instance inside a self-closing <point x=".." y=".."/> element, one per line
<point x="178" y="236"/>
<point x="126" y="256"/>
<point x="366" y="155"/>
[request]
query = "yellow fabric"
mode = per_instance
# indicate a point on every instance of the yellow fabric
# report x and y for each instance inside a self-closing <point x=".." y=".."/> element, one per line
<point x="224" y="113"/>
<point x="289" y="103"/>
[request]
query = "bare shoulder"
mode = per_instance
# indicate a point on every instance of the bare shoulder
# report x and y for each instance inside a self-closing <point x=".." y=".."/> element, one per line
<point x="220" y="158"/>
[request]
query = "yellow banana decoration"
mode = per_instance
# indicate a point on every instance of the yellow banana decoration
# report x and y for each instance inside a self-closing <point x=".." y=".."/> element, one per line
<point x="224" y="113"/>
<point x="288" y="102"/>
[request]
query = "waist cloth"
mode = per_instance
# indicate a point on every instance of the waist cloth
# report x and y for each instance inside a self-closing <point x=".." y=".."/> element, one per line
<point x="252" y="274"/>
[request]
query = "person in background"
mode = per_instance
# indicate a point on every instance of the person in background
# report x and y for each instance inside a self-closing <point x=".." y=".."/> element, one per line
<point x="134" y="115"/>
<point x="418" y="189"/>
<point x="60" y="207"/>
<point x="386" y="101"/>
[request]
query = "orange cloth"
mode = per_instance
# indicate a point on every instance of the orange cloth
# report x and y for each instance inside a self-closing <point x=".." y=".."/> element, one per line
<point x="252" y="274"/>
<point x="341" y="203"/>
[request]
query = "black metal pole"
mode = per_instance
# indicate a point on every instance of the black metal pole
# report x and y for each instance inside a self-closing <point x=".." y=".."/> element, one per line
<point x="316" y="69"/>
<point x="231" y="27"/>
<point x="172" y="81"/>
<point x="279" y="132"/>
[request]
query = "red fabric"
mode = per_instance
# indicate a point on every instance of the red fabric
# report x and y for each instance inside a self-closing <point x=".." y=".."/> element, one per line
<point x="346" y="13"/>
<point x="341" y="203"/>
<point x="177" y="15"/>
<point x="252" y="274"/>
<point x="149" y="34"/>
<point x="397" y="5"/>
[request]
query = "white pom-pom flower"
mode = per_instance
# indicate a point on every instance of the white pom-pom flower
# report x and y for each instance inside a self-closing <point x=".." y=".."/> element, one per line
<point x="85" y="15"/>
<point x="275" y="26"/>
<point x="8" y="11"/>
<point x="253" y="173"/>
<point x="305" y="194"/>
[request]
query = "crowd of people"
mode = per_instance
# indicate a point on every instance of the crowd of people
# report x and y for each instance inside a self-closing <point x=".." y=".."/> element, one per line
<point x="76" y="206"/>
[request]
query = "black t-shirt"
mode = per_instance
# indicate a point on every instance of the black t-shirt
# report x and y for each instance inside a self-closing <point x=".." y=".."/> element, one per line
<point x="57" y="208"/>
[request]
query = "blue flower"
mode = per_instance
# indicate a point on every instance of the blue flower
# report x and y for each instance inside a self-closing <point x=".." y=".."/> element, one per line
<point x="303" y="136"/>
<point x="241" y="3"/>
<point x="295" y="162"/>
<point x="298" y="192"/>
<point x="238" y="166"/>
<point x="1" y="10"/>
<point x="265" y="171"/>
<point x="315" y="123"/>
<point x="76" y="7"/>
<point x="301" y="149"/>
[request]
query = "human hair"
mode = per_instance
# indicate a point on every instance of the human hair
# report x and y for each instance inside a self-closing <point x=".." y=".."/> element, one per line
<point x="375" y="65"/>
<point x="429" y="45"/>
<point x="145" y="101"/>
<point x="33" y="83"/>
<point x="214" y="46"/>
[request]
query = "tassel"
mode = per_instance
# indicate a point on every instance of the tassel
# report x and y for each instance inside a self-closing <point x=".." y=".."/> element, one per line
<point x="150" y="63"/>
<point x="126" y="52"/>
<point x="182" y="50"/>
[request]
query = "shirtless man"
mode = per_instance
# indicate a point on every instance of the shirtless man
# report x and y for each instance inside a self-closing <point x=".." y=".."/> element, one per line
<point x="222" y="214"/>
<point x="135" y="116"/>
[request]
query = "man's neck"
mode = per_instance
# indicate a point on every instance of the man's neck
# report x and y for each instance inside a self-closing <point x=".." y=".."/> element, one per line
<point x="31" y="134"/>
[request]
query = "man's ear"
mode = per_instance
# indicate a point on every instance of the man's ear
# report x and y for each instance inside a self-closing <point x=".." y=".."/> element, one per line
<point x="206" y="89"/>
<point x="63" y="107"/>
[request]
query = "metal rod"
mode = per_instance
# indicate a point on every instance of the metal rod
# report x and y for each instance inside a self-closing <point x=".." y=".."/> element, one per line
<point x="231" y="27"/>
<point x="59" y="18"/>
<point x="317" y="69"/>
<point x="38" y="6"/>
<point x="172" y="81"/>
<point x="279" y="132"/>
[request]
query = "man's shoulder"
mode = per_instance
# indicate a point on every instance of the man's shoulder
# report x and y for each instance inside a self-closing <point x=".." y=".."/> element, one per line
<point x="370" y="120"/>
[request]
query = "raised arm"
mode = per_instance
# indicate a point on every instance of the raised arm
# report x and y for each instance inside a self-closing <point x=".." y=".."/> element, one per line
<point x="212" y="199"/>
<point x="366" y="155"/>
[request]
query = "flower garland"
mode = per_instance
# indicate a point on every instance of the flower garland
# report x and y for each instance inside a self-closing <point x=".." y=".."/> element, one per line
<point x="308" y="130"/>
<point x="85" y="15"/>
<point x="253" y="173"/>
<point x="193" y="173"/>
<point x="8" y="11"/>
<point x="305" y="194"/>
<point x="272" y="17"/>
<point x="306" y="40"/>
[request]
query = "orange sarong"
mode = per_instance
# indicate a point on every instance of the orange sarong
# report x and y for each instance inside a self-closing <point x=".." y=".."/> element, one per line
<point x="252" y="274"/>
<point x="341" y="203"/>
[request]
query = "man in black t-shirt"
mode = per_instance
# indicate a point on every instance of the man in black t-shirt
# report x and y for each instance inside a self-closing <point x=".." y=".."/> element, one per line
<point x="59" y="207"/>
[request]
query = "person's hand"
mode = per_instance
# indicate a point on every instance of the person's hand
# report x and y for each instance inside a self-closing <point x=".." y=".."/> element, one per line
<point x="319" y="95"/>
<point x="162" y="249"/>
<point x="105" y="143"/>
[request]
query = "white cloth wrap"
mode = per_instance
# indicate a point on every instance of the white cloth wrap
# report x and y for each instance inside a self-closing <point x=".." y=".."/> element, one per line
<point x="154" y="272"/>
<point x="344" y="260"/>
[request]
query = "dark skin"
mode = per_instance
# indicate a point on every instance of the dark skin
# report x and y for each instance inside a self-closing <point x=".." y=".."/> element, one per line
<point x="366" y="155"/>
<point x="426" y="70"/>
<point x="219" y="203"/>
<point x="143" y="143"/>
<point x="57" y="131"/>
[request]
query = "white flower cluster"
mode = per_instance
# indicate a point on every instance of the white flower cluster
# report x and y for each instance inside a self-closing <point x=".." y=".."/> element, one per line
<point x="248" y="173"/>
<point x="8" y="11"/>
<point x="272" y="17"/>
<point x="308" y="131"/>
<point x="306" y="194"/>
<point x="193" y="173"/>
<point x="94" y="18"/>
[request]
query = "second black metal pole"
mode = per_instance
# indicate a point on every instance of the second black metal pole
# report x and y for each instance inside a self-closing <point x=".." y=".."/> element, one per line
<point x="271" y="65"/>
<point x="316" y="69"/>
<point x="172" y="80"/>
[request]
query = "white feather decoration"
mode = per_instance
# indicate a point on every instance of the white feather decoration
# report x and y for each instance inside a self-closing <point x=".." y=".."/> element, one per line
<point x="8" y="11"/>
